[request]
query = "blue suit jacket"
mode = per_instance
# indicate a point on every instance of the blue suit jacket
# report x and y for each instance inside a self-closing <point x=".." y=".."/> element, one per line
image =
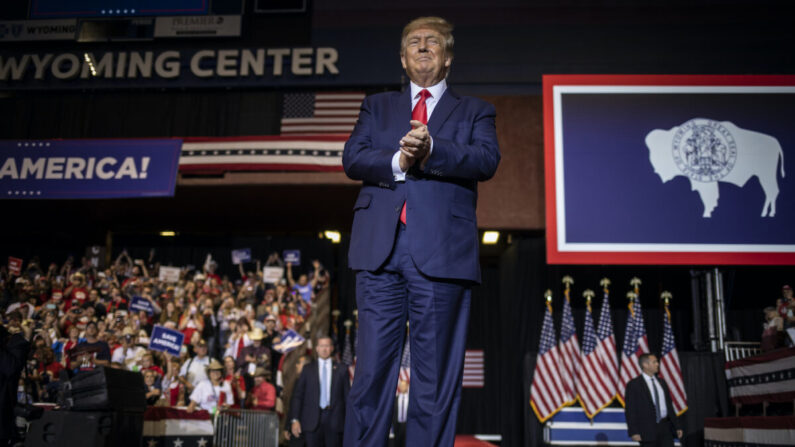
<point x="441" y="198"/>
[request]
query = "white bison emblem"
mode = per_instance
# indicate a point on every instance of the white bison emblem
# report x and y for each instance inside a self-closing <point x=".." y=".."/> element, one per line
<point x="708" y="151"/>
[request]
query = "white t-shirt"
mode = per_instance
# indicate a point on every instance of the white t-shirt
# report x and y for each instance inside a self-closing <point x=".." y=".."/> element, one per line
<point x="197" y="372"/>
<point x="128" y="357"/>
<point x="207" y="395"/>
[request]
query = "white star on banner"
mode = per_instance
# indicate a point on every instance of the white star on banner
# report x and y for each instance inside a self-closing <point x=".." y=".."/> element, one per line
<point x="202" y="442"/>
<point x="152" y="442"/>
<point x="178" y="442"/>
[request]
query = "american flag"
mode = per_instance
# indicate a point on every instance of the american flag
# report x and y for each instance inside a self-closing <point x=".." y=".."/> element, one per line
<point x="405" y="361"/>
<point x="635" y="344"/>
<point x="320" y="113"/>
<point x="547" y="394"/>
<point x="669" y="366"/>
<point x="569" y="352"/>
<point x="606" y="346"/>
<point x="593" y="386"/>
<point x="347" y="350"/>
<point x="474" y="374"/>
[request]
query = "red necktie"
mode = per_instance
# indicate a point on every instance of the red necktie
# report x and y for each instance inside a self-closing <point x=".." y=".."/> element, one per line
<point x="420" y="113"/>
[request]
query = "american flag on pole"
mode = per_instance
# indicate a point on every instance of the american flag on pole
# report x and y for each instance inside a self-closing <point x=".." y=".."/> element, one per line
<point x="569" y="350"/>
<point x="405" y="361"/>
<point x="547" y="393"/>
<point x="635" y="344"/>
<point x="669" y="366"/>
<point x="606" y="344"/>
<point x="474" y="372"/>
<point x="320" y="113"/>
<point x="593" y="386"/>
<point x="347" y="351"/>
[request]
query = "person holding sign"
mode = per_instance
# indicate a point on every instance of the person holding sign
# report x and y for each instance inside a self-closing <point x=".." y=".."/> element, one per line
<point x="304" y="286"/>
<point x="213" y="393"/>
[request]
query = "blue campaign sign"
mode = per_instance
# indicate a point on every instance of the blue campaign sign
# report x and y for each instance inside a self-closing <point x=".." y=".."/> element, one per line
<point x="670" y="169"/>
<point x="138" y="303"/>
<point x="292" y="256"/>
<point x="166" y="340"/>
<point x="88" y="169"/>
<point x="289" y="341"/>
<point x="241" y="255"/>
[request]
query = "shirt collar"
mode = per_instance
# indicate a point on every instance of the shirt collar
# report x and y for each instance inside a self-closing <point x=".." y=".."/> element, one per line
<point x="436" y="90"/>
<point x="648" y="376"/>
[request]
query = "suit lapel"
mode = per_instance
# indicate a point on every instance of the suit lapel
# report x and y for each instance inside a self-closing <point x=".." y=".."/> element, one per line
<point x="447" y="103"/>
<point x="403" y="117"/>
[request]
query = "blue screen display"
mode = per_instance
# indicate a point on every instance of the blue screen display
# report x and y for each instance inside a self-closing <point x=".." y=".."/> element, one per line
<point x="51" y="9"/>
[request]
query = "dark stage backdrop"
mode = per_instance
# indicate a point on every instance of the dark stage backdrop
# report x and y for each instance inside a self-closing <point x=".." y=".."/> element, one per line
<point x="506" y="317"/>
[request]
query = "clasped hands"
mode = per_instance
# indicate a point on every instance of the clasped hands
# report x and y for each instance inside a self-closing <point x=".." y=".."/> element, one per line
<point x="415" y="146"/>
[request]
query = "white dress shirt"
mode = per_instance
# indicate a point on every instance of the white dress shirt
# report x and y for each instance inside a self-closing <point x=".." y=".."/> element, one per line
<point x="324" y="365"/>
<point x="436" y="92"/>
<point x="656" y="383"/>
<point x="403" y="407"/>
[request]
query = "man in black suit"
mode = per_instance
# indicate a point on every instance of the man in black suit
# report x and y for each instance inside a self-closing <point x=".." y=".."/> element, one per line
<point x="14" y="347"/>
<point x="651" y="418"/>
<point x="317" y="408"/>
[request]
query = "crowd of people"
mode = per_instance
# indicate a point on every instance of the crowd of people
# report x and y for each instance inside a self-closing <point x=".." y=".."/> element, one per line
<point x="778" y="319"/>
<point x="78" y="317"/>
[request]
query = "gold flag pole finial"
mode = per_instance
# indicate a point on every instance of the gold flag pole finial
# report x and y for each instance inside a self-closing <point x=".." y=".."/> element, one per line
<point x="631" y="296"/>
<point x="666" y="297"/>
<point x="588" y="294"/>
<point x="347" y="324"/>
<point x="635" y="282"/>
<point x="548" y="299"/>
<point x="605" y="283"/>
<point x="568" y="280"/>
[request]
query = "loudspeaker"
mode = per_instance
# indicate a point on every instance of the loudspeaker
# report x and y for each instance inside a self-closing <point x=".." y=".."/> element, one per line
<point x="105" y="389"/>
<point x="86" y="429"/>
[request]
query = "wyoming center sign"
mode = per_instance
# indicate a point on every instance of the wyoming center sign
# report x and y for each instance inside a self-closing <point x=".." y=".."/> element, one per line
<point x="670" y="169"/>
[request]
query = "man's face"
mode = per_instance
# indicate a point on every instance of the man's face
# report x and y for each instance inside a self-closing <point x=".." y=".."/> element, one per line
<point x="91" y="330"/>
<point x="651" y="366"/>
<point x="201" y="350"/>
<point x="424" y="58"/>
<point x="324" y="348"/>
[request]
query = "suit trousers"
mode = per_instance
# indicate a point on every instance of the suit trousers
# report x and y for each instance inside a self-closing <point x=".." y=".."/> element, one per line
<point x="665" y="436"/>
<point x="324" y="435"/>
<point x="438" y="313"/>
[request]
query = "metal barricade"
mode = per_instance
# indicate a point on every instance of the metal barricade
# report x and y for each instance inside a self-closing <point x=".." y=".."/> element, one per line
<point x="246" y="428"/>
<point x="736" y="350"/>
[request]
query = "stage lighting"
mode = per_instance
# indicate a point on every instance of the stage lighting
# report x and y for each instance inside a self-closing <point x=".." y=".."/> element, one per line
<point x="490" y="237"/>
<point x="168" y="233"/>
<point x="333" y="236"/>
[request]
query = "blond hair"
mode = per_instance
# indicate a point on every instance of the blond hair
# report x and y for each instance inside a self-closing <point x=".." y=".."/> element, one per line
<point x="437" y="24"/>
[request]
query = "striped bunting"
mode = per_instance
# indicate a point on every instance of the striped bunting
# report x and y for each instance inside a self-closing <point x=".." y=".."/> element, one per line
<point x="474" y="372"/>
<point x="262" y="153"/>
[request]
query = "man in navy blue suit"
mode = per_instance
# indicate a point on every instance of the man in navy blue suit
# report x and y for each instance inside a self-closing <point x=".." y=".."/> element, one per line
<point x="414" y="242"/>
<point x="317" y="407"/>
